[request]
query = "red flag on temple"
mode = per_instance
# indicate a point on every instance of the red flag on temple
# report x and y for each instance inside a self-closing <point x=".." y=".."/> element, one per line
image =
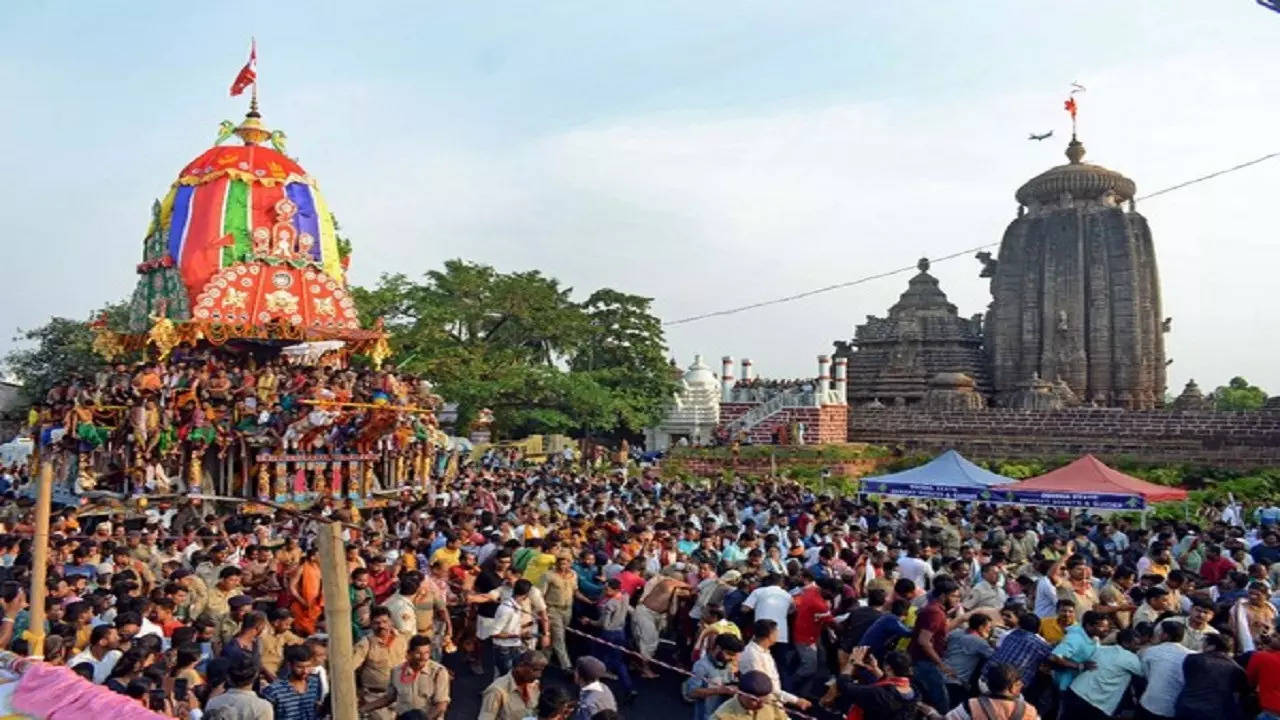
<point x="248" y="74"/>
<point x="1070" y="106"/>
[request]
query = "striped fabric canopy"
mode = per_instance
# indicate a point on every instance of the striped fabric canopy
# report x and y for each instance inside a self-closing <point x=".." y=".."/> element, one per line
<point x="222" y="196"/>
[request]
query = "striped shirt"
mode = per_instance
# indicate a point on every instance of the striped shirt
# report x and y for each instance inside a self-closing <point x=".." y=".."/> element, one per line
<point x="288" y="703"/>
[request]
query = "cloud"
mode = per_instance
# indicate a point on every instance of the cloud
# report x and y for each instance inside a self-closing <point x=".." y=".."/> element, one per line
<point x="705" y="212"/>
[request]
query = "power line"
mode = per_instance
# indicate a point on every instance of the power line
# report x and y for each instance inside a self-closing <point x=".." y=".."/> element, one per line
<point x="1210" y="176"/>
<point x="821" y="290"/>
<point x="908" y="268"/>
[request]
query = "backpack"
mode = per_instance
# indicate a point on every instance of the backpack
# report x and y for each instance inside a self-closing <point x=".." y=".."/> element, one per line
<point x="989" y="709"/>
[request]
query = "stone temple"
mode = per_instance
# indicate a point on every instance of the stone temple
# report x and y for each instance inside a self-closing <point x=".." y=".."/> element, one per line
<point x="1074" y="317"/>
<point x="1075" y="292"/>
<point x="898" y="357"/>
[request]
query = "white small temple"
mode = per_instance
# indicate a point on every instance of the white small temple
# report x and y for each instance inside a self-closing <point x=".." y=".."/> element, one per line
<point x="694" y="412"/>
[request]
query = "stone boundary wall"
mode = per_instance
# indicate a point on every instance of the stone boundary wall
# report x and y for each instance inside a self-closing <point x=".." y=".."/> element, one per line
<point x="1228" y="439"/>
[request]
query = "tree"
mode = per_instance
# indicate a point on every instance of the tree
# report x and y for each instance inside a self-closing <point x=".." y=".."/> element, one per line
<point x="61" y="349"/>
<point x="1238" y="394"/>
<point x="518" y="344"/>
<point x="624" y="353"/>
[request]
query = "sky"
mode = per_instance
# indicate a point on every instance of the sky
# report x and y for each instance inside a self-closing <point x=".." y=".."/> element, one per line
<point x="707" y="154"/>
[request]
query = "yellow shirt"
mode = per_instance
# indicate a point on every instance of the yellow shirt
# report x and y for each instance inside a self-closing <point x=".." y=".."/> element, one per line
<point x="1052" y="630"/>
<point x="447" y="557"/>
<point x="538" y="566"/>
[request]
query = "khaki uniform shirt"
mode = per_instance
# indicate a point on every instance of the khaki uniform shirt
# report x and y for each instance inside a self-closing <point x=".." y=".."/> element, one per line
<point x="426" y="610"/>
<point x="217" y="599"/>
<point x="732" y="710"/>
<point x="271" y="645"/>
<point x="418" y="691"/>
<point x="376" y="658"/>
<point x="502" y="700"/>
<point x="560" y="589"/>
<point x="197" y="598"/>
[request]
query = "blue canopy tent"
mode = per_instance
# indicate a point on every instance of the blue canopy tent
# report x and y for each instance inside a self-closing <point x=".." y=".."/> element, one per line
<point x="947" y="477"/>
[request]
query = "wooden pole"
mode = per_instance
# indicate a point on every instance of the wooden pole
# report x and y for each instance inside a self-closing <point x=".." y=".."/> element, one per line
<point x="40" y="558"/>
<point x="337" y="618"/>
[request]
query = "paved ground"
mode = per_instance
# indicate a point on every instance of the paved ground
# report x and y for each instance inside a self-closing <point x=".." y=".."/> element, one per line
<point x="658" y="699"/>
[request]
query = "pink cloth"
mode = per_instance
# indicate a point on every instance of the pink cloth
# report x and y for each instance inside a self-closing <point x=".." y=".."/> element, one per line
<point x="56" y="693"/>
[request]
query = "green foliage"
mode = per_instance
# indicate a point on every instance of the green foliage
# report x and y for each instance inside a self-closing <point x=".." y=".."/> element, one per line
<point x="1238" y="394"/>
<point x="623" y="353"/>
<point x="517" y="343"/>
<point x="344" y="244"/>
<point x="59" y="350"/>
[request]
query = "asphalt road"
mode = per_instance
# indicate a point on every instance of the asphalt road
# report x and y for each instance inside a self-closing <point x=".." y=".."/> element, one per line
<point x="658" y="698"/>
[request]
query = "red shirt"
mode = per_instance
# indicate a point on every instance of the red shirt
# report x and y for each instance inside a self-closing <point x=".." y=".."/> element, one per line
<point x="1264" y="676"/>
<point x="631" y="582"/>
<point x="1214" y="570"/>
<point x="383" y="584"/>
<point x="813" y="612"/>
<point x="934" y="619"/>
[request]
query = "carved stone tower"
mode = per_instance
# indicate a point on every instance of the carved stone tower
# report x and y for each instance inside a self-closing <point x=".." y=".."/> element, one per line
<point x="922" y="336"/>
<point x="1075" y="292"/>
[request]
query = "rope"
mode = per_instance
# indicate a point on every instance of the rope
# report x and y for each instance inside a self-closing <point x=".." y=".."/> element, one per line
<point x="773" y="699"/>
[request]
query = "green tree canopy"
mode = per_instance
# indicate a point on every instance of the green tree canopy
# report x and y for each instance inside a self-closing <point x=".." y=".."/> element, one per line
<point x="1238" y="394"/>
<point x="59" y="350"/>
<point x="518" y="343"/>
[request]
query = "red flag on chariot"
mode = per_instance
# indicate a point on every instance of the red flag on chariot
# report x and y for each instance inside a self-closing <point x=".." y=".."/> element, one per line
<point x="248" y="74"/>
<point x="1070" y="106"/>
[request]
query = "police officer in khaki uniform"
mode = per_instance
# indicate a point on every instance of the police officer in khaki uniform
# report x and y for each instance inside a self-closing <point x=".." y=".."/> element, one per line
<point x="418" y="684"/>
<point x="374" y="657"/>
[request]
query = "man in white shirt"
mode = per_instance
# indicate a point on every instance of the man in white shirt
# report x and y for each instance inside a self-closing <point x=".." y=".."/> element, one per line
<point x="914" y="567"/>
<point x="509" y="628"/>
<point x="101" y="653"/>
<point x="1162" y="666"/>
<point x="403" y="614"/>
<point x="771" y="602"/>
<point x="757" y="657"/>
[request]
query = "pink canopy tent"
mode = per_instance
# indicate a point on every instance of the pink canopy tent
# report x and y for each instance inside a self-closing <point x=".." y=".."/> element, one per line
<point x="1090" y="476"/>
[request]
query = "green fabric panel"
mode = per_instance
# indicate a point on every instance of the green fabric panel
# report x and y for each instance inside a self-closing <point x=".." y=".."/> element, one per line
<point x="235" y="222"/>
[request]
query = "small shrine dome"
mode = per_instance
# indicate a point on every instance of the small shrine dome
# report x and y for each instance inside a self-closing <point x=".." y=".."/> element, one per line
<point x="699" y="374"/>
<point x="244" y="246"/>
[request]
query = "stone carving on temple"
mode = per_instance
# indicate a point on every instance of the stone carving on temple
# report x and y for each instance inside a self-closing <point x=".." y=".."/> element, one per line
<point x="891" y="359"/>
<point x="1075" y="291"/>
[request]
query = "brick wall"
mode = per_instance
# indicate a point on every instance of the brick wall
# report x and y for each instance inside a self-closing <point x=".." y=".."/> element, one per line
<point x="1241" y="440"/>
<point x="732" y="411"/>
<point x="833" y="424"/>
<point x="827" y="424"/>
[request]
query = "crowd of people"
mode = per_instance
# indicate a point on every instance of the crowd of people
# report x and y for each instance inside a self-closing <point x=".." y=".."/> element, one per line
<point x="761" y="600"/>
<point x="166" y="425"/>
